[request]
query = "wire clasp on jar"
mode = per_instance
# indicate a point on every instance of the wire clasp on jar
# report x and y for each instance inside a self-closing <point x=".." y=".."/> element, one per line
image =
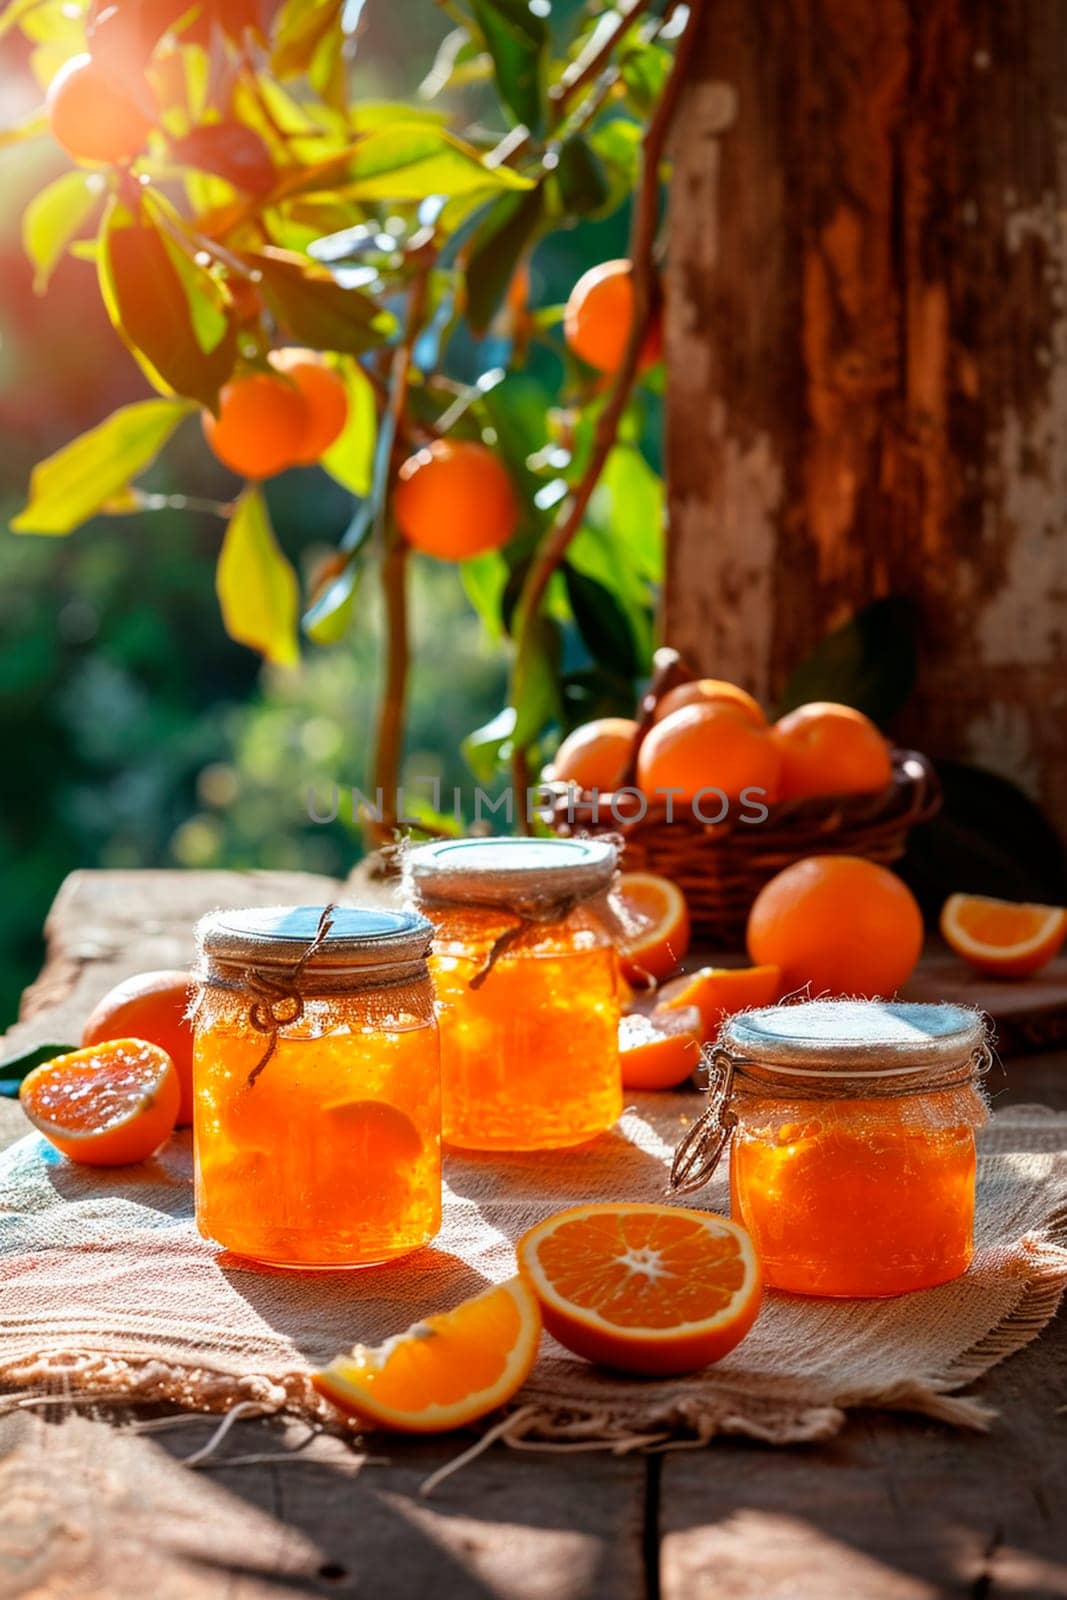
<point x="702" y="1147"/>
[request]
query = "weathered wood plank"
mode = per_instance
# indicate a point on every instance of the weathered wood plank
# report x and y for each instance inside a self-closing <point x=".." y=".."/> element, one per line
<point x="95" y="1510"/>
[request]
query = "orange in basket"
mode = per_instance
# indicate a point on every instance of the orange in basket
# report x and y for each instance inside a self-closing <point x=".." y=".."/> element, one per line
<point x="446" y="1371"/>
<point x="105" y="1106"/>
<point x="651" y="1289"/>
<point x="594" y="756"/>
<point x="708" y="747"/>
<point x="830" y="749"/>
<point x="1000" y="937"/>
<point x="708" y="691"/>
<point x="660" y="917"/>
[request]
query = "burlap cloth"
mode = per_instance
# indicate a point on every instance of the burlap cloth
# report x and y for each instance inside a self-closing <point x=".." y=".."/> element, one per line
<point x="106" y="1289"/>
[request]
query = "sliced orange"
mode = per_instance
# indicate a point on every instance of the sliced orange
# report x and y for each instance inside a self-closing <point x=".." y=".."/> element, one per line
<point x="446" y="1371"/>
<point x="107" y="1105"/>
<point x="1004" y="938"/>
<point x="717" y="992"/>
<point x="651" y="1289"/>
<point x="656" y="1052"/>
<point x="656" y="909"/>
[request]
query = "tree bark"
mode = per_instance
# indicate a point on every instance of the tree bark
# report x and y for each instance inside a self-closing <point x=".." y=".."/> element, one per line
<point x="867" y="349"/>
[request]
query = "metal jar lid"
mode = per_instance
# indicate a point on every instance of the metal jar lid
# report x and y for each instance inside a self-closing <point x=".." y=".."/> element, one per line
<point x="510" y="872"/>
<point x="855" y="1037"/>
<point x="356" y="941"/>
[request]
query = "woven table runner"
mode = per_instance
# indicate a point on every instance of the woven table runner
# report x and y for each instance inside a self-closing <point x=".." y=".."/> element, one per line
<point x="107" y="1290"/>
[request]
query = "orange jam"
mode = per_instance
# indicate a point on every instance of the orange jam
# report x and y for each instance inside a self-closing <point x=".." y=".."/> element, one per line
<point x="526" y="983"/>
<point x="852" y="1156"/>
<point x="326" y="1151"/>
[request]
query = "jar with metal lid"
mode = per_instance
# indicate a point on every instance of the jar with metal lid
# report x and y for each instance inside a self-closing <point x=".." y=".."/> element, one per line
<point x="316" y="1075"/>
<point x="851" y="1128"/>
<point x="526" y="980"/>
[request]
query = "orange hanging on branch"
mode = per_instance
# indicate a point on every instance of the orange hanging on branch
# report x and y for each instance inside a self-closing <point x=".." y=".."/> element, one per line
<point x="600" y="314"/>
<point x="93" y="117"/>
<point x="454" y="500"/>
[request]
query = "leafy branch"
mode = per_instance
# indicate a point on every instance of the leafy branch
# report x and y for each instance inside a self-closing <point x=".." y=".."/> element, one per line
<point x="553" y="546"/>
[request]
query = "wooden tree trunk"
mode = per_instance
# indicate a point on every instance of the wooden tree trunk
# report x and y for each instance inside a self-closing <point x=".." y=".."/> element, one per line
<point x="867" y="348"/>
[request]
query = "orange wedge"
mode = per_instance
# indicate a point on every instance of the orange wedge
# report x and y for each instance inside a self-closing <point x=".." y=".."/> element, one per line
<point x="441" y="1373"/>
<point x="657" y="910"/>
<point x="649" y="1289"/>
<point x="659" y="1052"/>
<point x="1003" y="938"/>
<point x="107" y="1105"/>
<point x="717" y="992"/>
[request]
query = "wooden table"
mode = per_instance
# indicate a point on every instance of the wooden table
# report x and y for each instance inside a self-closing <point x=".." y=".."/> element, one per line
<point x="893" y="1509"/>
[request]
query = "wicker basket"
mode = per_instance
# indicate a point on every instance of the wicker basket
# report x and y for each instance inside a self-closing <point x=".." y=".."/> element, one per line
<point x="721" y="867"/>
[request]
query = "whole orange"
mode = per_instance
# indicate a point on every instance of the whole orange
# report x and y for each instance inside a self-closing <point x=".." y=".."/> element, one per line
<point x="711" y="691"/>
<point x="594" y="756"/>
<point x="93" y="117"/>
<point x="830" y="749"/>
<point x="599" y="315"/>
<point x="151" y="1006"/>
<point x="324" y="396"/>
<point x="260" y="426"/>
<point x="839" y="924"/>
<point x="713" y="747"/>
<point x="455" y="499"/>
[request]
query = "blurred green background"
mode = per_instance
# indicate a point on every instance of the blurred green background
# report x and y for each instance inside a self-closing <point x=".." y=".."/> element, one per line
<point x="134" y="732"/>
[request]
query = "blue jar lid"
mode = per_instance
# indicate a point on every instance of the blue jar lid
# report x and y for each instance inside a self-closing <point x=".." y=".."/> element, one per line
<point x="269" y="936"/>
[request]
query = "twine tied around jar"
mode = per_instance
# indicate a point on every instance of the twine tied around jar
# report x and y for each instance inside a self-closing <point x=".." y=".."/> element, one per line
<point x="534" y="895"/>
<point x="702" y="1146"/>
<point x="278" y="1000"/>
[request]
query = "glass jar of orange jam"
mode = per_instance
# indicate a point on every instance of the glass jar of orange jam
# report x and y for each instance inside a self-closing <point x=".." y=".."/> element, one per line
<point x="316" y="1072"/>
<point x="851" y="1127"/>
<point x="527" y="999"/>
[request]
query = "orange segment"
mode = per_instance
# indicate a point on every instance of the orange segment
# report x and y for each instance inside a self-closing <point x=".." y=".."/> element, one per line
<point x="656" y="909"/>
<point x="650" y="1289"/>
<point x="717" y="992"/>
<point x="107" y="1105"/>
<point x="657" y="1052"/>
<point x="446" y="1371"/>
<point x="1003" y="938"/>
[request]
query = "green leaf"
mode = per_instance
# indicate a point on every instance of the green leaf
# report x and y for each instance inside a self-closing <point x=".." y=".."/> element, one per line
<point x="160" y="314"/>
<point x="299" y="32"/>
<point x="517" y="40"/>
<point x="30" y="127"/>
<point x="630" y="505"/>
<point x="534" y="681"/>
<point x="484" y="580"/>
<point x="486" y="749"/>
<point x="256" y="586"/>
<point x="870" y="662"/>
<point x="583" y="183"/>
<point x="54" y="216"/>
<point x="350" y="459"/>
<point x="644" y="72"/>
<point x="15" y="1067"/>
<point x="70" y="486"/>
<point x="329" y="618"/>
<point x="314" y="307"/>
<point x="499" y="244"/>
<point x="406" y="161"/>
<point x="603" y="624"/>
<point x="13" y="14"/>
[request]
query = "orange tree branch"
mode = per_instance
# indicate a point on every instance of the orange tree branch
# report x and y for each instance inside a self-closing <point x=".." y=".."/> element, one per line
<point x="389" y="747"/>
<point x="553" y="546"/>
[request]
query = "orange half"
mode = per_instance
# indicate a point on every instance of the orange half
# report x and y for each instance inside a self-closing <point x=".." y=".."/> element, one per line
<point x="1004" y="938"/>
<point x="108" y="1105"/>
<point x="657" y="910"/>
<point x="657" y="1052"/>
<point x="650" y="1289"/>
<point x="717" y="992"/>
<point x="441" y="1373"/>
